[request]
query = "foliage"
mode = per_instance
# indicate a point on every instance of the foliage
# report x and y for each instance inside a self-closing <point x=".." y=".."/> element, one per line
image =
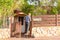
<point x="5" y="9"/>
<point x="1" y="21"/>
<point x="58" y="6"/>
<point x="26" y="8"/>
<point x="54" y="10"/>
<point x="40" y="11"/>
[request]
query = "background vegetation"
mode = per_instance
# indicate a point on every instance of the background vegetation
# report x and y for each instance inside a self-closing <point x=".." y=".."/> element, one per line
<point x="42" y="7"/>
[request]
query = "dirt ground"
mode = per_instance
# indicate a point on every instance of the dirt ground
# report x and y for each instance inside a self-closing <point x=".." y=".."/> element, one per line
<point x="40" y="38"/>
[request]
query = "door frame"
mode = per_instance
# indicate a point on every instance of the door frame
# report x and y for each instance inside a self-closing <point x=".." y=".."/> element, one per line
<point x="21" y="15"/>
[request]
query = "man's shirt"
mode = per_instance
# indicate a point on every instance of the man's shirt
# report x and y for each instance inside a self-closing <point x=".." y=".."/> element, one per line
<point x="27" y="18"/>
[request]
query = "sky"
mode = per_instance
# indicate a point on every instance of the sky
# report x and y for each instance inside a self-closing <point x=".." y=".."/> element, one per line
<point x="44" y="1"/>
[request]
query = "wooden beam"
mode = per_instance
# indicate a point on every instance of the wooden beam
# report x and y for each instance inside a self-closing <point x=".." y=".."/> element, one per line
<point x="31" y="26"/>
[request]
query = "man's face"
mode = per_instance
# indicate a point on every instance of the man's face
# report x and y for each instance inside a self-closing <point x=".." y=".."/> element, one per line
<point x="29" y="14"/>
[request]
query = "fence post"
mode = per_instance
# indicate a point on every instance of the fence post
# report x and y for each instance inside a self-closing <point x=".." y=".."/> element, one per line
<point x="56" y="19"/>
<point x="31" y="26"/>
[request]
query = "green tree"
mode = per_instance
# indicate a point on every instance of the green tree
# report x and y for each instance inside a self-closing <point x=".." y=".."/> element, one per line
<point x="58" y="6"/>
<point x="27" y="8"/>
<point x="5" y="10"/>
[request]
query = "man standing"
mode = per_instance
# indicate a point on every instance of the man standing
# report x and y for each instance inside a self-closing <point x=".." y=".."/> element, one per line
<point x="27" y="23"/>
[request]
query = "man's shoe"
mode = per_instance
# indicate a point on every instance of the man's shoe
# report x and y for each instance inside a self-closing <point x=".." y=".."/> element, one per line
<point x="27" y="33"/>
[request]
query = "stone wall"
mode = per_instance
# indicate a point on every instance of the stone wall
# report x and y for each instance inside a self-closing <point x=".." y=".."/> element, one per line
<point x="4" y="33"/>
<point x="36" y="32"/>
<point x="45" y="31"/>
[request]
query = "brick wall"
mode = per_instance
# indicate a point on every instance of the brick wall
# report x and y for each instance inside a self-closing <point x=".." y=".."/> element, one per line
<point x="58" y="20"/>
<point x="46" y="20"/>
